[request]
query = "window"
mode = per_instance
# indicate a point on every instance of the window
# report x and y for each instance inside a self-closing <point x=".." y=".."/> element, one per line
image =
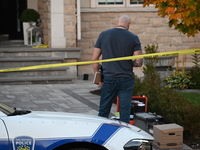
<point x="119" y="2"/>
<point x="137" y="1"/>
<point x="110" y="2"/>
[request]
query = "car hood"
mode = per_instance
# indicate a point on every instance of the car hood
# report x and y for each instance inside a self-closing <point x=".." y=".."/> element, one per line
<point x="75" y="117"/>
<point x="83" y="118"/>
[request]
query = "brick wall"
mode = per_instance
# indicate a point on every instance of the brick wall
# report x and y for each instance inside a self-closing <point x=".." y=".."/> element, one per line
<point x="147" y="25"/>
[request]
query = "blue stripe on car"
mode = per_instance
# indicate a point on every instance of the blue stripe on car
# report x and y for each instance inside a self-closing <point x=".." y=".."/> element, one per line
<point x="104" y="133"/>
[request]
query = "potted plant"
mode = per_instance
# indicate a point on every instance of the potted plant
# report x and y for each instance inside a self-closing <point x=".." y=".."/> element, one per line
<point x="29" y="18"/>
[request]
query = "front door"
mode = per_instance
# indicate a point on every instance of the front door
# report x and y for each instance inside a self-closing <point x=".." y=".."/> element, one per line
<point x="10" y="11"/>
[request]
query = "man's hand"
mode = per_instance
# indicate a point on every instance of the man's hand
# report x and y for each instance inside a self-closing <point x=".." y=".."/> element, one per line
<point x="95" y="56"/>
<point x="138" y="63"/>
<point x="100" y="84"/>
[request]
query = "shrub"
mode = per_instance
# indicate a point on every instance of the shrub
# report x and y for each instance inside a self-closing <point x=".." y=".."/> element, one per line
<point x="29" y="15"/>
<point x="153" y="48"/>
<point x="151" y="78"/>
<point x="176" y="109"/>
<point x="149" y="49"/>
<point x="195" y="78"/>
<point x="179" y="80"/>
<point x="195" y="72"/>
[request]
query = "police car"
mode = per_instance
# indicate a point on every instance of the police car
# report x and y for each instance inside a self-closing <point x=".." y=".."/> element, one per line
<point x="42" y="130"/>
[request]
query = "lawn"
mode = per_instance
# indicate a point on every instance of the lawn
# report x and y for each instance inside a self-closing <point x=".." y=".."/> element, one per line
<point x="193" y="97"/>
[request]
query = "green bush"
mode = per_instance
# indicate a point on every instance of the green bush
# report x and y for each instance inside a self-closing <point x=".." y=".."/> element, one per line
<point x="195" y="77"/>
<point x="176" y="109"/>
<point x="149" y="49"/>
<point x="179" y="80"/>
<point x="29" y="15"/>
<point x="153" y="48"/>
<point x="195" y="72"/>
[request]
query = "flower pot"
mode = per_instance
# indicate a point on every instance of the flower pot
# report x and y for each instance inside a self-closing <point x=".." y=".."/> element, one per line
<point x="26" y="25"/>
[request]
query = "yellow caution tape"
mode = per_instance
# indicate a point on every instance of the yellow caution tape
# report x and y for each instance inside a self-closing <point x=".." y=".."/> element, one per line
<point x="40" y="46"/>
<point x="161" y="54"/>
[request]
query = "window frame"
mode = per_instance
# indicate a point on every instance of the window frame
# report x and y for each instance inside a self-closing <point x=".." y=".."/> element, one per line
<point x="126" y="3"/>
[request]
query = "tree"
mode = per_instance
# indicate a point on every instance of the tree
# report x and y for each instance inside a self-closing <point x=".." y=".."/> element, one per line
<point x="184" y="15"/>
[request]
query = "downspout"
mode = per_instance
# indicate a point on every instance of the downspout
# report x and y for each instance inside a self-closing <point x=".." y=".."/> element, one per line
<point x="78" y="5"/>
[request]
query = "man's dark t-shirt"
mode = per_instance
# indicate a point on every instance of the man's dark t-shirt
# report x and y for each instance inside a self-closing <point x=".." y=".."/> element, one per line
<point x="116" y="43"/>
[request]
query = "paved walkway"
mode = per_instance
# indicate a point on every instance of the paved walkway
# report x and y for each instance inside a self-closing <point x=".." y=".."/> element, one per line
<point x="74" y="97"/>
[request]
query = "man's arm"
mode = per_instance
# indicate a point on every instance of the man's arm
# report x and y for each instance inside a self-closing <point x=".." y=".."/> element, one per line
<point x="138" y="62"/>
<point x="95" y="56"/>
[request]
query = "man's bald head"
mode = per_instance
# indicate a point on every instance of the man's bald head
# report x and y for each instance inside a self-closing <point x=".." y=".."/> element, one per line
<point x="124" y="21"/>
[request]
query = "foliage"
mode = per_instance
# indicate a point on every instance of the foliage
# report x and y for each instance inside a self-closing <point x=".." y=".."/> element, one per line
<point x="149" y="49"/>
<point x="179" y="80"/>
<point x="29" y="15"/>
<point x="175" y="108"/>
<point x="195" y="72"/>
<point x="151" y="80"/>
<point x="184" y="15"/>
<point x="195" y="77"/>
<point x="153" y="48"/>
<point x="196" y="60"/>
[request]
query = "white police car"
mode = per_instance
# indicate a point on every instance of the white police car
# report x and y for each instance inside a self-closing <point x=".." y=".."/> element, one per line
<point x="41" y="130"/>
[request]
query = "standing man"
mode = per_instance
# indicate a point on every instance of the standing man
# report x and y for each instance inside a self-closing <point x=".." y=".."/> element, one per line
<point x="118" y="75"/>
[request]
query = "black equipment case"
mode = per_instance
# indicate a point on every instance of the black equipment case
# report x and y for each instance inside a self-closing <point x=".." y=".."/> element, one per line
<point x="146" y="120"/>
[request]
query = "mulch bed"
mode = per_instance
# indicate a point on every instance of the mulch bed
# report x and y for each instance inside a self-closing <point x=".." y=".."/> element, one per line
<point x="96" y="92"/>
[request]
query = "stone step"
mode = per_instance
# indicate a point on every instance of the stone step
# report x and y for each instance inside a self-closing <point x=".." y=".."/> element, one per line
<point x="36" y="80"/>
<point x="16" y="57"/>
<point x="11" y="43"/>
<point x="59" y="71"/>
<point x="14" y="62"/>
<point x="71" y="52"/>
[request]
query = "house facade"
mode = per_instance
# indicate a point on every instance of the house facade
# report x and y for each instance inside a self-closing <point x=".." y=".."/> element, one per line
<point x="77" y="23"/>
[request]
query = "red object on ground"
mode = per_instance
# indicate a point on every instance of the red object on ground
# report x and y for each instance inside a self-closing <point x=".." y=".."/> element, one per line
<point x="142" y="99"/>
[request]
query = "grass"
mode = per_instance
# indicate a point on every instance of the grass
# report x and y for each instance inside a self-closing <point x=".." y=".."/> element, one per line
<point x="193" y="97"/>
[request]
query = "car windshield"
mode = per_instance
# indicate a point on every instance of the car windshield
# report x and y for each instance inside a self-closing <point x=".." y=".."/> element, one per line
<point x="6" y="109"/>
